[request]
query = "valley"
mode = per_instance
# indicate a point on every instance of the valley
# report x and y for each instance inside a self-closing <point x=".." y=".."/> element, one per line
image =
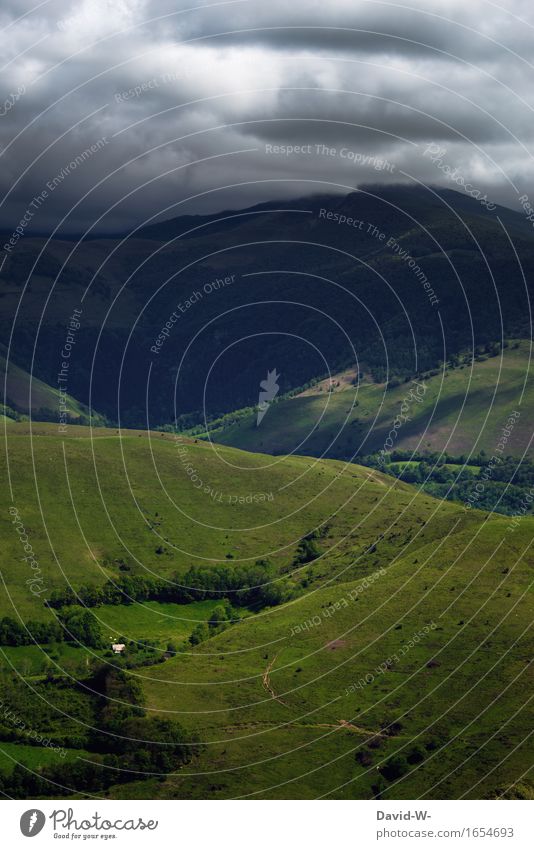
<point x="393" y="659"/>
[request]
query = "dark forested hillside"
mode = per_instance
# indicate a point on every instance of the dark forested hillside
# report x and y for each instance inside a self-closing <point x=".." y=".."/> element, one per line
<point x="189" y="315"/>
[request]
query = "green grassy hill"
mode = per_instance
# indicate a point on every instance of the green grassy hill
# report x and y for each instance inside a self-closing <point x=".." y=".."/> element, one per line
<point x="455" y="705"/>
<point x="24" y="395"/>
<point x="462" y="410"/>
<point x="399" y="663"/>
<point x="112" y="501"/>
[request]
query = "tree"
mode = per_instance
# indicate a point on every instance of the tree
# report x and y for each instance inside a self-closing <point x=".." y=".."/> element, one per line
<point x="307" y="551"/>
<point x="200" y="633"/>
<point x="81" y="626"/>
<point x="395" y="767"/>
<point x="416" y="755"/>
<point x="218" y="616"/>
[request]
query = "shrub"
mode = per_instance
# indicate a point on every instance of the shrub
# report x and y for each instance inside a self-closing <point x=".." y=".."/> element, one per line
<point x="395" y="767"/>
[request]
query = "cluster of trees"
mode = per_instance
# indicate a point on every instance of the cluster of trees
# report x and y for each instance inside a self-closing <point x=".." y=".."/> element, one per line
<point x="13" y="633"/>
<point x="80" y="626"/>
<point x="246" y="586"/>
<point x="433" y="458"/>
<point x="12" y="413"/>
<point x="125" y="747"/>
<point x="503" y="487"/>
<point x="55" y="708"/>
<point x="143" y="744"/>
<point x="221" y="617"/>
<point x="307" y="549"/>
<point x="430" y="365"/>
<point x="496" y="496"/>
<point x="481" y="352"/>
<point x="76" y="626"/>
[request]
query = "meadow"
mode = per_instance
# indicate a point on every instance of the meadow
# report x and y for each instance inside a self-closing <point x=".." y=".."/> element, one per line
<point x="398" y="666"/>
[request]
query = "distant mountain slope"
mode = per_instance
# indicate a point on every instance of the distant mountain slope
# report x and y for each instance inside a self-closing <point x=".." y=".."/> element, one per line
<point x="24" y="395"/>
<point x="190" y="314"/>
<point x="459" y="410"/>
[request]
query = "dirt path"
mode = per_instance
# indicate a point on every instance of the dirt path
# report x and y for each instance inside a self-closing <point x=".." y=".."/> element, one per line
<point x="375" y="480"/>
<point x="349" y="726"/>
<point x="267" y="682"/>
<point x="341" y="725"/>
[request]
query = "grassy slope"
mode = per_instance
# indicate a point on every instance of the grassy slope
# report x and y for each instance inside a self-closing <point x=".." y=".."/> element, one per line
<point x="34" y="757"/>
<point x="330" y="424"/>
<point x="468" y="701"/>
<point x="153" y="620"/>
<point x="442" y="564"/>
<point x="28" y="394"/>
<point x="108" y="501"/>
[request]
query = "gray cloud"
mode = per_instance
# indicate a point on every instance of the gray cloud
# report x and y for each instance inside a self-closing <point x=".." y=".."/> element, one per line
<point x="188" y="101"/>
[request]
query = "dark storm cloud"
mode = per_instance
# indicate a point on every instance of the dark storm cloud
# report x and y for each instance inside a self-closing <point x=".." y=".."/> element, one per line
<point x="363" y="27"/>
<point x="180" y="103"/>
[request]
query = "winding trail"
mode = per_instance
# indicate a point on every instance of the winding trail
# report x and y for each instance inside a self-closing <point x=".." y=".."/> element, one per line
<point x="267" y="682"/>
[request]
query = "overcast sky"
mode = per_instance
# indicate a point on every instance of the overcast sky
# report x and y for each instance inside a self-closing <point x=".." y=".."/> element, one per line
<point x="217" y="84"/>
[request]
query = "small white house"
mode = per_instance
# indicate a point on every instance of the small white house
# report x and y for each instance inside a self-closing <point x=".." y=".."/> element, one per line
<point x="118" y="647"/>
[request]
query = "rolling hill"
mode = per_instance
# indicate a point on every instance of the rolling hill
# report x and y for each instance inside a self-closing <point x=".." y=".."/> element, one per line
<point x="24" y="395"/>
<point x="393" y="660"/>
<point x="458" y="410"/>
